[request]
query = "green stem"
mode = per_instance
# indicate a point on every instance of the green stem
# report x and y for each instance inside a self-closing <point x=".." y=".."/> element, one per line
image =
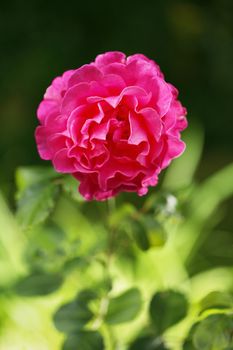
<point x="111" y="204"/>
<point x="110" y="341"/>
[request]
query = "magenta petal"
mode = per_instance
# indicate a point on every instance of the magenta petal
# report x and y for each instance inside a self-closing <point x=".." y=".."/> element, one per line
<point x="62" y="163"/>
<point x="109" y="57"/>
<point x="162" y="95"/>
<point x="113" y="124"/>
<point x="56" y="90"/>
<point x="137" y="131"/>
<point x="153" y="121"/>
<point x="182" y="122"/>
<point x="46" y="107"/>
<point x="41" y="140"/>
<point x="141" y="94"/>
<point x="99" y="131"/>
<point x="53" y="92"/>
<point x="74" y="96"/>
<point x="56" y="142"/>
<point x="85" y="74"/>
<point x="114" y="83"/>
<point x="175" y="148"/>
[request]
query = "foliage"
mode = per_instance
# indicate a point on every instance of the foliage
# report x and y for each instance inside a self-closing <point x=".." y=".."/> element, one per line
<point x="116" y="275"/>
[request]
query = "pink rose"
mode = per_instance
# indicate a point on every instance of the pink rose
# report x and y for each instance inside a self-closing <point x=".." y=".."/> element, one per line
<point x="113" y="124"/>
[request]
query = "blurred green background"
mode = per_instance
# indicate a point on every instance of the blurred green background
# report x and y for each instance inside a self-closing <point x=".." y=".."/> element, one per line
<point x="192" y="41"/>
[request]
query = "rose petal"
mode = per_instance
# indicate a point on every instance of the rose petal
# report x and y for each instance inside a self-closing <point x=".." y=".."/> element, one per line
<point x="85" y="74"/>
<point x="113" y="124"/>
<point x="62" y="163"/>
<point x="41" y="140"/>
<point x="109" y="57"/>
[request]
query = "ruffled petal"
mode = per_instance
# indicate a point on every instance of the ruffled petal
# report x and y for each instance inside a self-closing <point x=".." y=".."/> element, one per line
<point x="41" y="141"/>
<point x="58" y="87"/>
<point x="85" y="74"/>
<point x="109" y="57"/>
<point x="113" y="124"/>
<point x="47" y="108"/>
<point x="62" y="163"/>
<point x="175" y="147"/>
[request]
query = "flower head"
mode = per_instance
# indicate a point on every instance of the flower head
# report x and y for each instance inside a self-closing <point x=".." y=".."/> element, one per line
<point x="113" y="124"/>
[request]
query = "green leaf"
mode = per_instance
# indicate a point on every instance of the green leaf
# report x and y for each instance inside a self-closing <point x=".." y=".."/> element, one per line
<point x="70" y="186"/>
<point x="156" y="234"/>
<point x="148" y="232"/>
<point x="120" y="214"/>
<point x="214" y="332"/>
<point x="216" y="300"/>
<point x="140" y="235"/>
<point x="46" y="248"/>
<point x="212" y="192"/>
<point x="36" y="203"/>
<point x="87" y="295"/>
<point x="124" y="307"/>
<point x="73" y="316"/>
<point x="84" y="340"/>
<point x="148" y="343"/>
<point x="167" y="308"/>
<point x="188" y="343"/>
<point x="203" y="205"/>
<point x="75" y="263"/>
<point x="28" y="176"/>
<point x="38" y="284"/>
<point x="12" y="245"/>
<point x="182" y="170"/>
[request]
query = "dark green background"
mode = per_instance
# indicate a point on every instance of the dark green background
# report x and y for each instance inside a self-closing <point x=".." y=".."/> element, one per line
<point x="191" y="40"/>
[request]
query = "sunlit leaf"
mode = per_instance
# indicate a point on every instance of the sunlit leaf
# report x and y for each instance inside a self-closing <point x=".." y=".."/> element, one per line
<point x="12" y="244"/>
<point x="202" y="206"/>
<point x="155" y="231"/>
<point x="212" y="191"/>
<point x="70" y="186"/>
<point x="147" y="232"/>
<point x="181" y="172"/>
<point x="36" y="203"/>
<point x="28" y="176"/>
<point x="167" y="308"/>
<point x="124" y="307"/>
<point x="216" y="300"/>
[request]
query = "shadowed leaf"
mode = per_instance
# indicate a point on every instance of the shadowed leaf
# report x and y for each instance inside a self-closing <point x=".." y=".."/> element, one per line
<point x="167" y="308"/>
<point x="38" y="284"/>
<point x="124" y="307"/>
<point x="85" y="340"/>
